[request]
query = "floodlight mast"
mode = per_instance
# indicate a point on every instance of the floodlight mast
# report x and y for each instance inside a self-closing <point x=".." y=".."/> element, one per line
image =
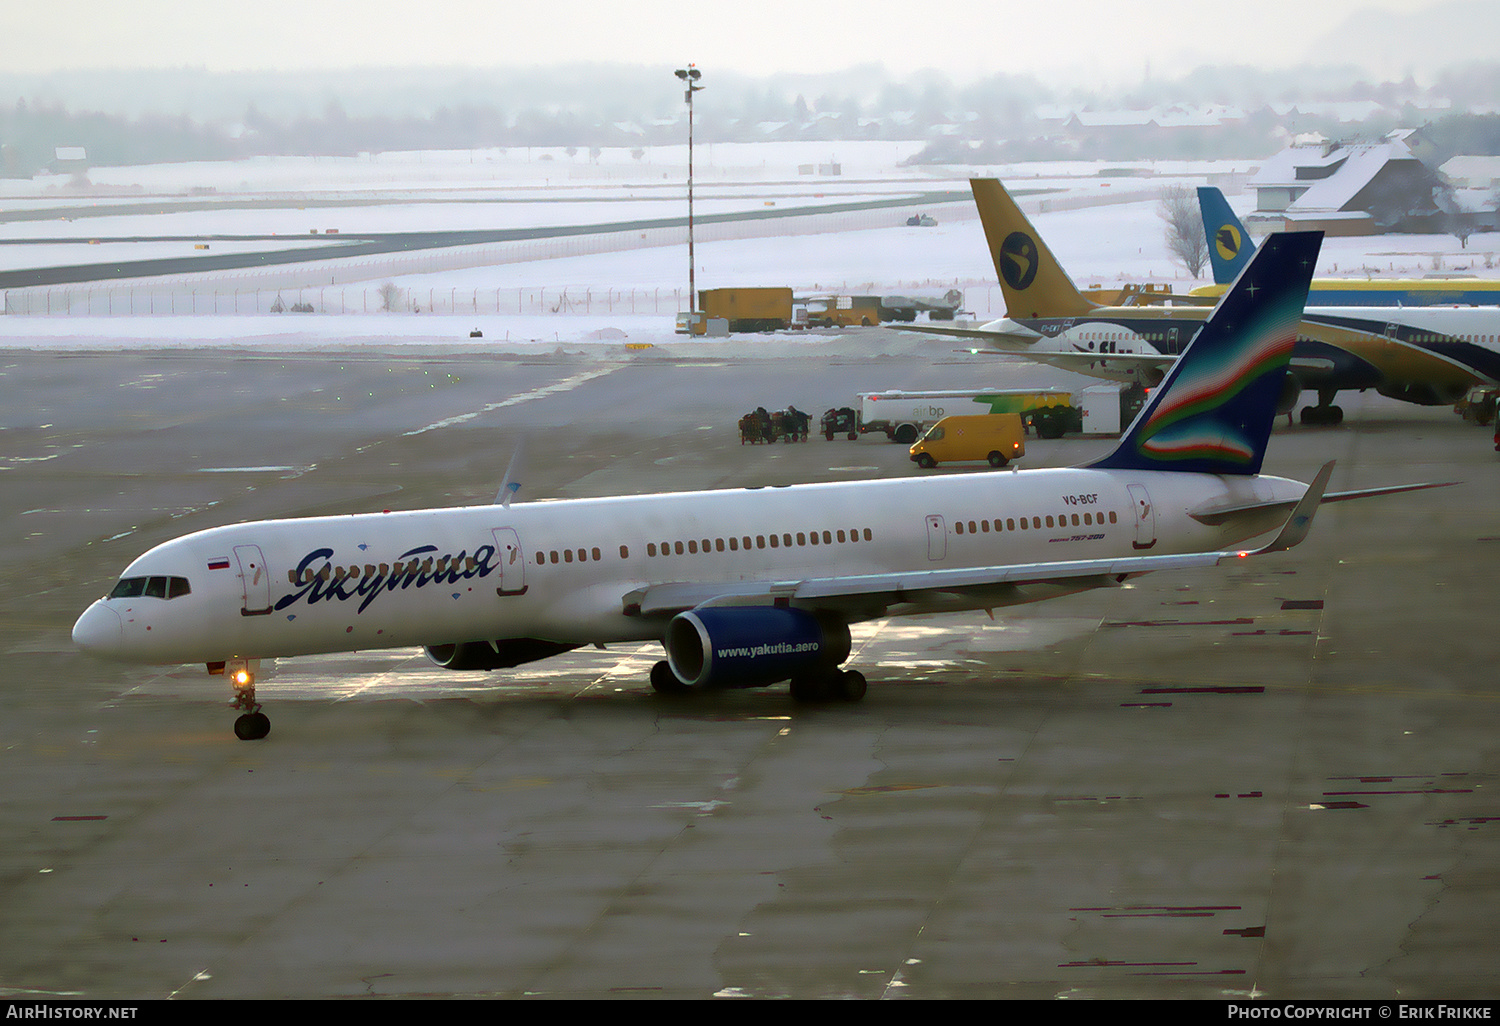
<point x="690" y="76"/>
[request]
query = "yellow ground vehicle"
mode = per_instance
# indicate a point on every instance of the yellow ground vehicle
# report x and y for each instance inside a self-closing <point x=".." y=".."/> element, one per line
<point x="843" y="312"/>
<point x="761" y="309"/>
<point x="994" y="437"/>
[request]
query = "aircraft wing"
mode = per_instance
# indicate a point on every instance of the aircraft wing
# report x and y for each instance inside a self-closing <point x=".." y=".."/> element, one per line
<point x="1019" y="338"/>
<point x="1063" y="358"/>
<point x="864" y="591"/>
<point x="1060" y="358"/>
<point x="1168" y="299"/>
<point x="1306" y="365"/>
<point x="891" y="588"/>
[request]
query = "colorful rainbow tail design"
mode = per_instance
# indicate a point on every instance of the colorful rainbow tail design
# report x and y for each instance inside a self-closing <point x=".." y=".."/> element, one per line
<point x="1213" y="412"/>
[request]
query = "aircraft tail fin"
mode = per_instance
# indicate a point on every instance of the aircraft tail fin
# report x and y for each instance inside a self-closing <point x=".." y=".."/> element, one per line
<point x="1034" y="284"/>
<point x="1213" y="412"/>
<point x="1229" y="245"/>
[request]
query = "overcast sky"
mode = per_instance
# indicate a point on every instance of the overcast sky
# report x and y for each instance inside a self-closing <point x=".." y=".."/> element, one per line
<point x="1057" y="40"/>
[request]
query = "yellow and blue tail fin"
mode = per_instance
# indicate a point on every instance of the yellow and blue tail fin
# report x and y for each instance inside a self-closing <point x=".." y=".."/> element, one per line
<point x="1034" y="284"/>
<point x="1229" y="245"/>
<point x="1213" y="412"/>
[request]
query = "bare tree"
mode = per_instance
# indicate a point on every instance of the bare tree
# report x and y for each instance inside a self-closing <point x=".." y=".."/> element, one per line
<point x="1456" y="221"/>
<point x="390" y="296"/>
<point x="1180" y="213"/>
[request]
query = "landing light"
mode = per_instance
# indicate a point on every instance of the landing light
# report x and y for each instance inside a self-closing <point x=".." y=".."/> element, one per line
<point x="241" y="678"/>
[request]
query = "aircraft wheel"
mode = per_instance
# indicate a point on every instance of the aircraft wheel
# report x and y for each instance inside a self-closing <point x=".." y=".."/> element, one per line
<point x="252" y="726"/>
<point x="850" y="686"/>
<point x="664" y="681"/>
<point x="808" y="689"/>
<point x="1322" y="415"/>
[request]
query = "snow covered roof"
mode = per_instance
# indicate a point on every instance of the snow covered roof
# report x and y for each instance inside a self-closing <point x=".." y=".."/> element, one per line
<point x="1349" y="111"/>
<point x="1359" y="170"/>
<point x="1329" y="176"/>
<point x="1472" y="172"/>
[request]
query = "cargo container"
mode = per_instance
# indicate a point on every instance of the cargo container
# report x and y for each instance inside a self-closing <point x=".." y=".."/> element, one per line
<point x="758" y="309"/>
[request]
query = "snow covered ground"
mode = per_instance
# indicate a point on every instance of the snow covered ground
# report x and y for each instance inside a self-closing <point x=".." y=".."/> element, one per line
<point x="1099" y="219"/>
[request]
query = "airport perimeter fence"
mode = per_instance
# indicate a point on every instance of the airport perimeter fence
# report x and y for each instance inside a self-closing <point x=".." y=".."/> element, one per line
<point x="360" y="285"/>
<point x="982" y="300"/>
<point x="314" y="286"/>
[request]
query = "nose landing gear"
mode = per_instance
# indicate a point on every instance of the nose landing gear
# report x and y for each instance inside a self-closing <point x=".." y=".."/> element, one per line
<point x="252" y="725"/>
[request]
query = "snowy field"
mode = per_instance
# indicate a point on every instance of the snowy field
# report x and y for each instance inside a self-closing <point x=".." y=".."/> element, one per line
<point x="1100" y="219"/>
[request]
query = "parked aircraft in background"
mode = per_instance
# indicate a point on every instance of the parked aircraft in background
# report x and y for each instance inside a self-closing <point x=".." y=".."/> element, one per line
<point x="1230" y="247"/>
<point x="1429" y="356"/>
<point x="746" y="587"/>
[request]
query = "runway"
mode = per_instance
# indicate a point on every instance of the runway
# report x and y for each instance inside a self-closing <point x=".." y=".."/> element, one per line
<point x="350" y="246"/>
<point x="1270" y="780"/>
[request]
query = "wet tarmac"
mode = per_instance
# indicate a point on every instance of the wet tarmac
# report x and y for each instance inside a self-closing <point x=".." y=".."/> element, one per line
<point x="1270" y="780"/>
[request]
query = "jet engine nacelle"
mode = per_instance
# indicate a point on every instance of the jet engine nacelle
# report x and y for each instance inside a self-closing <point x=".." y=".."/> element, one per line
<point x="1421" y="393"/>
<point x="493" y="655"/>
<point x="752" y="646"/>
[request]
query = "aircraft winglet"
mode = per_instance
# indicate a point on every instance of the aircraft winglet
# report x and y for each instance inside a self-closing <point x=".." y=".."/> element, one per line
<point x="509" y="486"/>
<point x="1300" y="522"/>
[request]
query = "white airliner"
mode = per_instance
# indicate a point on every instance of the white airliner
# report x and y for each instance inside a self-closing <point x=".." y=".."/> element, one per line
<point x="746" y="587"/>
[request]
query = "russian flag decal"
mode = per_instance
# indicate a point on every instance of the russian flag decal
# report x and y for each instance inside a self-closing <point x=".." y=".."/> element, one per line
<point x="219" y="563"/>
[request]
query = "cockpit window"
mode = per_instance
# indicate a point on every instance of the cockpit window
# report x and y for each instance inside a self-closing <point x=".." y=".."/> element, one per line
<point x="151" y="587"/>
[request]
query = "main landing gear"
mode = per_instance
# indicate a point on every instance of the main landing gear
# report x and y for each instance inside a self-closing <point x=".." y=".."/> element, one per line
<point x="252" y="725"/>
<point x="830" y="685"/>
<point x="1325" y="414"/>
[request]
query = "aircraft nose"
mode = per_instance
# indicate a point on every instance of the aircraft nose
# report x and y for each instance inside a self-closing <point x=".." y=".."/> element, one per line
<point x="98" y="630"/>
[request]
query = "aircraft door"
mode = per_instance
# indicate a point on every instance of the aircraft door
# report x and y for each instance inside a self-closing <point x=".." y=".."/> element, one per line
<point x="512" y="561"/>
<point x="255" y="580"/>
<point x="1145" y="517"/>
<point x="937" y="538"/>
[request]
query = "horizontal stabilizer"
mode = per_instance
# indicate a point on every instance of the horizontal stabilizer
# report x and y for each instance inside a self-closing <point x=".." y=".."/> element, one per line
<point x="1215" y="515"/>
<point x="1024" y="338"/>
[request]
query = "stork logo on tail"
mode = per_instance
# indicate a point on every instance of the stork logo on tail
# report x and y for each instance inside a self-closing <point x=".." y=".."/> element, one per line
<point x="1018" y="260"/>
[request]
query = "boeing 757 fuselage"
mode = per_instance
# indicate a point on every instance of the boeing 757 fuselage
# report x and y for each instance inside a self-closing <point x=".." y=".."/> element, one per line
<point x="744" y="587"/>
